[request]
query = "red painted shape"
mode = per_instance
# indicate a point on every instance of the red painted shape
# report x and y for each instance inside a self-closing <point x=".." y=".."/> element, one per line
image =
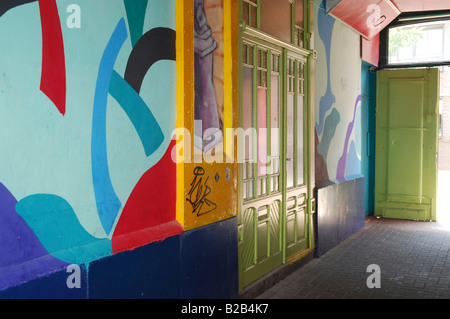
<point x="371" y="50"/>
<point x="149" y="213"/>
<point x="356" y="14"/>
<point x="53" y="76"/>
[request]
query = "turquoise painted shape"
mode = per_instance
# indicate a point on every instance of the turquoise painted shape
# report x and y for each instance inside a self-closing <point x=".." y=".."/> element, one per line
<point x="136" y="10"/>
<point x="331" y="122"/>
<point x="138" y="112"/>
<point x="54" y="222"/>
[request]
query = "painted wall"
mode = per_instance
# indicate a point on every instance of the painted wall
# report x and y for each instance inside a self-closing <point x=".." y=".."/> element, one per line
<point x="340" y="185"/>
<point x="338" y="99"/>
<point x="88" y="111"/>
<point x="199" y="263"/>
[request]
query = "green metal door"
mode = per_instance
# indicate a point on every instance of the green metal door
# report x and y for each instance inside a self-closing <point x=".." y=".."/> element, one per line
<point x="260" y="217"/>
<point x="275" y="203"/>
<point x="406" y="144"/>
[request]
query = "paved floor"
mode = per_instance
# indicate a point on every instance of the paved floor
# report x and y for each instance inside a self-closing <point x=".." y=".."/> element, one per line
<point x="414" y="261"/>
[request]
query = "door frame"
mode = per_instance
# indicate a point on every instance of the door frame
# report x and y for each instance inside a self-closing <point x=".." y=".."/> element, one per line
<point x="259" y="38"/>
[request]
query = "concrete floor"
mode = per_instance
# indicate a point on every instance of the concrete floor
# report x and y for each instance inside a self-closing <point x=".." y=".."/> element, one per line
<point x="413" y="257"/>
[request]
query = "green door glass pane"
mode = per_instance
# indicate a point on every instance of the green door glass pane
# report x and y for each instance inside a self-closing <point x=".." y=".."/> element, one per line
<point x="247" y="125"/>
<point x="290" y="141"/>
<point x="275" y="131"/>
<point x="300" y="140"/>
<point x="262" y="140"/>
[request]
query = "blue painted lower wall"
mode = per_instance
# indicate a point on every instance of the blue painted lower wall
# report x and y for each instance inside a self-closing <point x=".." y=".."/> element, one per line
<point x="199" y="263"/>
<point x="340" y="213"/>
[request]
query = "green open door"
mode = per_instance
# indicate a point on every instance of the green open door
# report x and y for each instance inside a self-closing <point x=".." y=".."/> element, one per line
<point x="406" y="143"/>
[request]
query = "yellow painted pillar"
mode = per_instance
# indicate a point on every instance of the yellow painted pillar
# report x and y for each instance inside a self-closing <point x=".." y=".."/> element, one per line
<point x="207" y="182"/>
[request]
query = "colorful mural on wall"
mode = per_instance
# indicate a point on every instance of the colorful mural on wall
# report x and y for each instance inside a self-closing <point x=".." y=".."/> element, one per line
<point x="86" y="169"/>
<point x="211" y="180"/>
<point x="338" y="93"/>
<point x="208" y="43"/>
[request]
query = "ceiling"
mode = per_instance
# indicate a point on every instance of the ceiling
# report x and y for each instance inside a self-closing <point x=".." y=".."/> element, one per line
<point x="421" y="5"/>
<point x="369" y="17"/>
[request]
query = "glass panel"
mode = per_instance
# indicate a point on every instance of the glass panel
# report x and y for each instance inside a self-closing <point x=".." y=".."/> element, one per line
<point x="250" y="189"/>
<point x="301" y="82"/>
<point x="249" y="13"/>
<point x="300" y="141"/>
<point x="262" y="132"/>
<point x="299" y="36"/>
<point x="244" y="171"/>
<point x="276" y="18"/>
<point x="247" y="122"/>
<point x="275" y="63"/>
<point x="245" y="12"/>
<point x="244" y="54"/>
<point x="275" y="123"/>
<point x="419" y="43"/>
<point x="276" y="183"/>
<point x="262" y="186"/>
<point x="247" y="106"/>
<point x="253" y="17"/>
<point x="299" y="13"/>
<point x="290" y="142"/>
<point x="244" y="190"/>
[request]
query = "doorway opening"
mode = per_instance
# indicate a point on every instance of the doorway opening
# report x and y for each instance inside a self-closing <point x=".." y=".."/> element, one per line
<point x="443" y="199"/>
<point x="413" y="42"/>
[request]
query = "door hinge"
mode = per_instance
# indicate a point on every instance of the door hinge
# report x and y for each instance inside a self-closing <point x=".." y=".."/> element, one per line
<point x="242" y="25"/>
<point x="312" y="205"/>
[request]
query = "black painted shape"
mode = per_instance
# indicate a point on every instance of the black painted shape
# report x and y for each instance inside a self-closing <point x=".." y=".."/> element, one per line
<point x="6" y="5"/>
<point x="155" y="45"/>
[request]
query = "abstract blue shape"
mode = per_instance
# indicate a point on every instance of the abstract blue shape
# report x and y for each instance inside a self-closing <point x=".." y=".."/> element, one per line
<point x="331" y="123"/>
<point x="326" y="24"/>
<point x="340" y="174"/>
<point x="353" y="164"/>
<point x="108" y="204"/>
<point x="23" y="257"/>
<point x="138" y="112"/>
<point x="54" y="222"/>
